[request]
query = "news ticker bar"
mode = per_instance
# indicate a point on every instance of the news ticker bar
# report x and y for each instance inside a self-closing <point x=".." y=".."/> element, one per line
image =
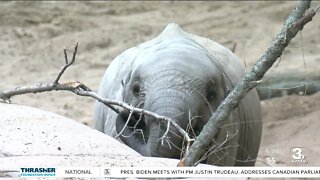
<point x="146" y="172"/>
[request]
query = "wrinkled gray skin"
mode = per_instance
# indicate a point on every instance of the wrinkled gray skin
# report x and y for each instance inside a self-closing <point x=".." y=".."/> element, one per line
<point x="184" y="77"/>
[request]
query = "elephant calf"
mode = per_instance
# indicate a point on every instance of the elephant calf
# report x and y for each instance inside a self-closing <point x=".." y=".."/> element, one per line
<point x="184" y="77"/>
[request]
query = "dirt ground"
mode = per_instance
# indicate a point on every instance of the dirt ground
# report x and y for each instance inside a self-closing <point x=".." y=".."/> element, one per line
<point x="33" y="35"/>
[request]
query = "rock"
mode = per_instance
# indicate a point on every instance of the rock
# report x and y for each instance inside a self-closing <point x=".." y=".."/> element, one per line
<point x="30" y="137"/>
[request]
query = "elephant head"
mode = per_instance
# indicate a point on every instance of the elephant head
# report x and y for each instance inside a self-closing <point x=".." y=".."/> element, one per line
<point x="177" y="79"/>
<point x="184" y="77"/>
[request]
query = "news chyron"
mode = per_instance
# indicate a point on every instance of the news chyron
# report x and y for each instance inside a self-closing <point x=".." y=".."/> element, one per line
<point x="297" y="157"/>
<point x="171" y="172"/>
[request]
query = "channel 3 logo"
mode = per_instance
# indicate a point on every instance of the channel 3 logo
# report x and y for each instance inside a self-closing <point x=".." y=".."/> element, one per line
<point x="298" y="155"/>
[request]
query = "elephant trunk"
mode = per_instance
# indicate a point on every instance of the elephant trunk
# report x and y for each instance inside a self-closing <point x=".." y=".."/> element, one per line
<point x="170" y="103"/>
<point x="155" y="139"/>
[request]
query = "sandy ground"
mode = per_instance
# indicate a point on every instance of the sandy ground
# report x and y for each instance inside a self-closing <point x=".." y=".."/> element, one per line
<point x="33" y="34"/>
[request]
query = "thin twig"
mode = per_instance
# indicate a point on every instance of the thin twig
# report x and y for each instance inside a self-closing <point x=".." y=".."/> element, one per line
<point x="165" y="133"/>
<point x="190" y="122"/>
<point x="67" y="63"/>
<point x="216" y="147"/>
<point x="135" y="110"/>
<point x="126" y="124"/>
<point x="233" y="49"/>
<point x="304" y="64"/>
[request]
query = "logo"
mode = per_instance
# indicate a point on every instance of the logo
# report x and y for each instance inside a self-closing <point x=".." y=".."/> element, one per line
<point x="106" y="172"/>
<point x="37" y="172"/>
<point x="298" y="155"/>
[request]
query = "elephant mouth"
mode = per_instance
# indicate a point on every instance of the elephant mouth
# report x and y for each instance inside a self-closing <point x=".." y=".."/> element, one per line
<point x="128" y="125"/>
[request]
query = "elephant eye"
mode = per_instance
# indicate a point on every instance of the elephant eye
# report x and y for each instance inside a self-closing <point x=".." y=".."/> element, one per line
<point x="210" y="95"/>
<point x="136" y="88"/>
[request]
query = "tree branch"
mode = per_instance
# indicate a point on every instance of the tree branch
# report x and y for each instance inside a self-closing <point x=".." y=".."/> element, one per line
<point x="82" y="90"/>
<point x="67" y="62"/>
<point x="292" y="26"/>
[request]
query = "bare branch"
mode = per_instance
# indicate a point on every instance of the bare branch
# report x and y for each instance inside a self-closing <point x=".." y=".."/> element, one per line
<point x="109" y="102"/>
<point x="126" y="124"/>
<point x="217" y="147"/>
<point x="65" y="55"/>
<point x="233" y="49"/>
<point x="293" y="25"/>
<point x="190" y="123"/>
<point x="67" y="62"/>
<point x="82" y="90"/>
<point x="165" y="133"/>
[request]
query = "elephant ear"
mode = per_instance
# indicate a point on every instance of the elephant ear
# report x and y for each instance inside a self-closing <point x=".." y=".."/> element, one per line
<point x="124" y="83"/>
